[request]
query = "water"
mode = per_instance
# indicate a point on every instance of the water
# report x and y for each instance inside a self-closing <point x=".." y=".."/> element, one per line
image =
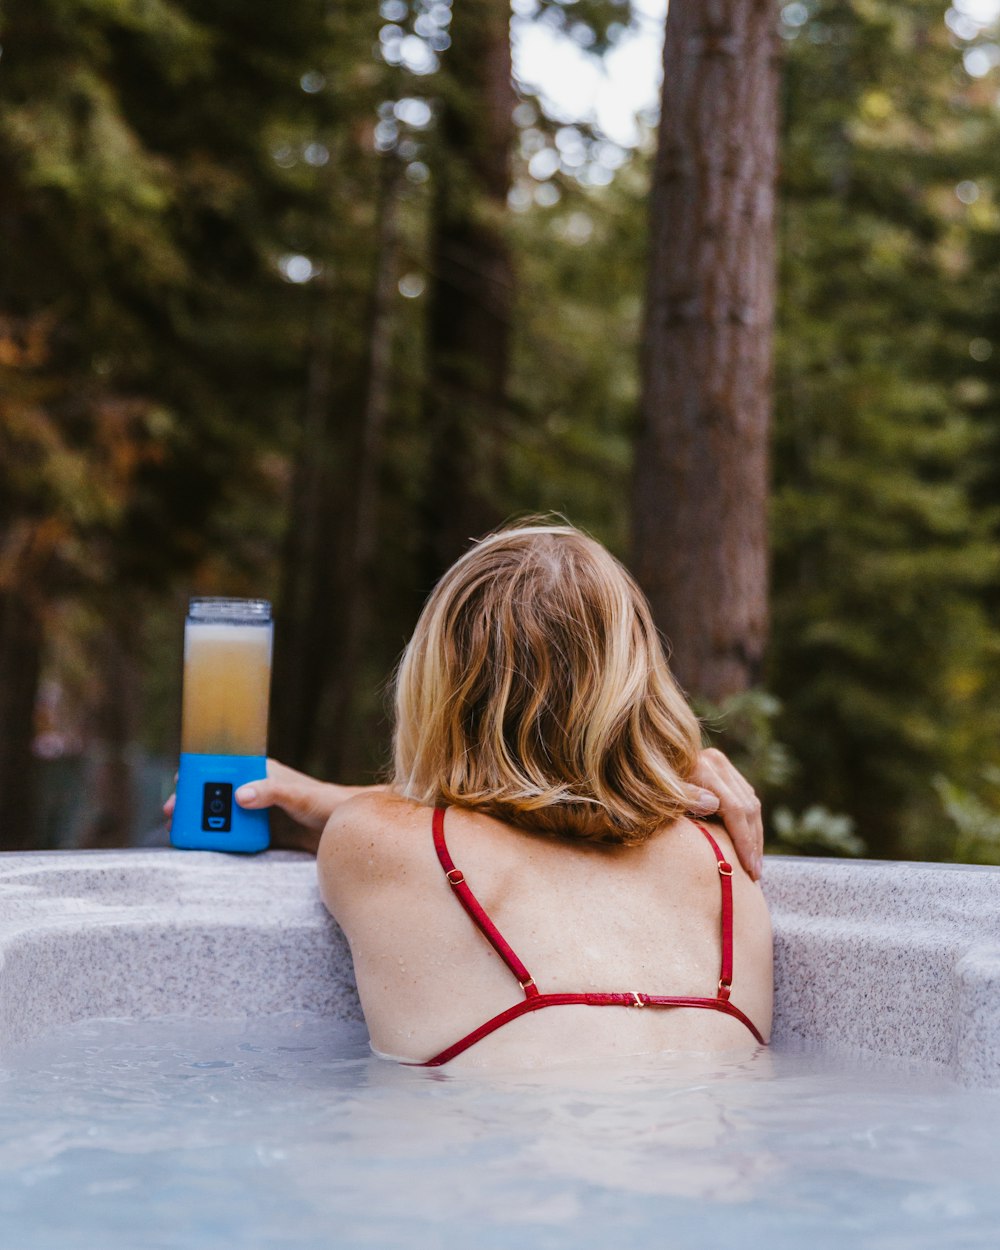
<point x="284" y="1132"/>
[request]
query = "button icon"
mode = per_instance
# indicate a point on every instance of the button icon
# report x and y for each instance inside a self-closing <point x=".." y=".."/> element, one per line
<point x="217" y="807"/>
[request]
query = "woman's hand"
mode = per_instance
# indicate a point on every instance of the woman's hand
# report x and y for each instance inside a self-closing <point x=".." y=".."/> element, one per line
<point x="307" y="802"/>
<point x="717" y="788"/>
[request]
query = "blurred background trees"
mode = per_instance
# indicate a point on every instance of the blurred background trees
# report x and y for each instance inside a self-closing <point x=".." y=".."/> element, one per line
<point x="884" y="524"/>
<point x="296" y="299"/>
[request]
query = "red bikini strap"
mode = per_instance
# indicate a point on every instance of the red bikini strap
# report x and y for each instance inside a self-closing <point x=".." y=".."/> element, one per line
<point x="456" y="879"/>
<point x="584" y="1000"/>
<point x="726" y="880"/>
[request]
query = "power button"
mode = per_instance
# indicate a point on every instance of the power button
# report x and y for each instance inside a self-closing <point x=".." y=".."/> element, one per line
<point x="217" y="807"/>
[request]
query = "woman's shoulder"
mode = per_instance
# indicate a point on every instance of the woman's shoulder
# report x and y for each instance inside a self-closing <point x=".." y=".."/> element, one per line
<point x="689" y="847"/>
<point x="374" y="824"/>
<point x="372" y="843"/>
<point x="748" y="897"/>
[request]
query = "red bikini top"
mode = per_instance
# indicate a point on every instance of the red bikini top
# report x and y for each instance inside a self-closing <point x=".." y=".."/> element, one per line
<point x="535" y="1001"/>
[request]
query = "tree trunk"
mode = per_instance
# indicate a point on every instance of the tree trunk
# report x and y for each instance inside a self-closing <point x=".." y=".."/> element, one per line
<point x="361" y="530"/>
<point x="114" y="720"/>
<point x="20" y="665"/>
<point x="303" y="628"/>
<point x="331" y="541"/>
<point x="469" y="313"/>
<point x="701" y="478"/>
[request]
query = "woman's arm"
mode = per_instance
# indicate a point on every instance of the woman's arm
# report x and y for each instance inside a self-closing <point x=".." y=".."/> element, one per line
<point x="307" y="802"/>
<point x="716" y="788"/>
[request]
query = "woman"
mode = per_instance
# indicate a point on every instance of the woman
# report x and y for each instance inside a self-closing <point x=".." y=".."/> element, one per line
<point x="543" y="766"/>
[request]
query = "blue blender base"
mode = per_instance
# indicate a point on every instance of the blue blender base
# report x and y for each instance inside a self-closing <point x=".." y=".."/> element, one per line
<point x="207" y="816"/>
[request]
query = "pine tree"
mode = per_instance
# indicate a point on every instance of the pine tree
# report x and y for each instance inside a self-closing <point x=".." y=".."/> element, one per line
<point x="882" y="649"/>
<point x="145" y="213"/>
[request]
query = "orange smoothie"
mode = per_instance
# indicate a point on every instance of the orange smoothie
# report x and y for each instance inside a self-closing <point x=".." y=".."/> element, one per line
<point x="227" y="677"/>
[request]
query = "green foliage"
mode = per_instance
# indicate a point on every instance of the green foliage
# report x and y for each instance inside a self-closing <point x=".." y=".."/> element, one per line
<point x="884" y="649"/>
<point x="975" y="817"/>
<point x="144" y="210"/>
<point x="816" y="831"/>
<point x="163" y="161"/>
<point x="745" y="727"/>
<point x="155" y="183"/>
<point x="574" y="384"/>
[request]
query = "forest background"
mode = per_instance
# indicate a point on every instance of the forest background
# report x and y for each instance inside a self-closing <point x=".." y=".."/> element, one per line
<point x="294" y="299"/>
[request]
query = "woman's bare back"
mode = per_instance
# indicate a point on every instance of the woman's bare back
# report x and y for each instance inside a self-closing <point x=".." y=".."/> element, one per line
<point x="582" y="917"/>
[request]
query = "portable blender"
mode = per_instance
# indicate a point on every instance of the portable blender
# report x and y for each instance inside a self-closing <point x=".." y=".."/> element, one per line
<point x="227" y="675"/>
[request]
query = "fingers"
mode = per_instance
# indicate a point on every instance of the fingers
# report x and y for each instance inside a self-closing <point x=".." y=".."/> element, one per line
<point x="700" y="802"/>
<point x="306" y="804"/>
<point x="306" y="801"/>
<point x="263" y="793"/>
<point x="738" y="807"/>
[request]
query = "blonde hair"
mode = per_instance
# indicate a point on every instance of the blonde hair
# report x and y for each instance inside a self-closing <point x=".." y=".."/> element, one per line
<point x="535" y="689"/>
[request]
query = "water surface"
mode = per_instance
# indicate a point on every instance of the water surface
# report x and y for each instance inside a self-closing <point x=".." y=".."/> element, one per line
<point x="284" y="1132"/>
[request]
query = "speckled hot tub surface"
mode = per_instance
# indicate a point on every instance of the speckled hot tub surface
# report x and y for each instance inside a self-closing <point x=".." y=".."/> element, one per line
<point x="183" y="1063"/>
<point x="143" y="934"/>
<point x="895" y="959"/>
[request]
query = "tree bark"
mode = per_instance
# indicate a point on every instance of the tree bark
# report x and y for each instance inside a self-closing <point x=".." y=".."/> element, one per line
<point x="361" y="530"/>
<point x="114" y="720"/>
<point x="701" y="478"/>
<point x="20" y="665"/>
<point x="471" y="293"/>
<point x="304" y="626"/>
<point x="331" y="542"/>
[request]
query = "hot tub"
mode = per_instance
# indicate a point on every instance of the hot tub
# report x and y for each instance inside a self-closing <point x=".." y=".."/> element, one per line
<point x="184" y="1063"/>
